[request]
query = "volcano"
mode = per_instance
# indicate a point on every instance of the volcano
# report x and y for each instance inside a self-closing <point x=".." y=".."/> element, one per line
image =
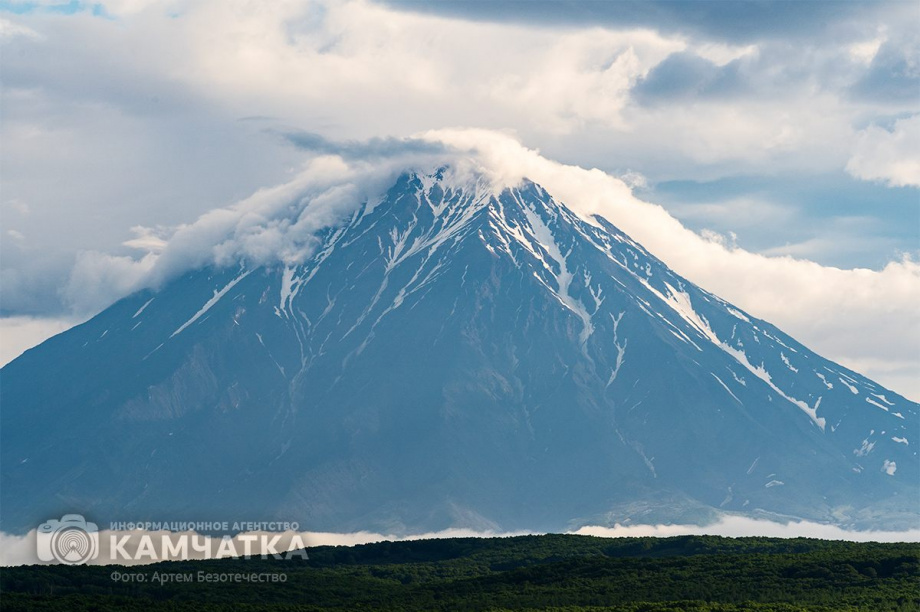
<point x="448" y="356"/>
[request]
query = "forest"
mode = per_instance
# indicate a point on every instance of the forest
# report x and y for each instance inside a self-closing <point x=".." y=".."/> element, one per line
<point x="547" y="572"/>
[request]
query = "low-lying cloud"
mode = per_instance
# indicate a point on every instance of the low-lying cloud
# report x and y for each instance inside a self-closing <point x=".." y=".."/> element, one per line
<point x="21" y="549"/>
<point x="739" y="526"/>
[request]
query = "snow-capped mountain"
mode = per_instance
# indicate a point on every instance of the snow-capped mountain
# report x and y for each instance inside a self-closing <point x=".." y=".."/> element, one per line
<point x="448" y="356"/>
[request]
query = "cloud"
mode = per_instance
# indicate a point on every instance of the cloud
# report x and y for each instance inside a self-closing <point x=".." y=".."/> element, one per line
<point x="737" y="21"/>
<point x="15" y="235"/>
<point x="98" y="279"/>
<point x="687" y="75"/>
<point x="356" y="70"/>
<point x="375" y="148"/>
<point x="894" y="71"/>
<point x="584" y="79"/>
<point x="834" y="219"/>
<point x="891" y="156"/>
<point x="273" y="225"/>
<point x="390" y="66"/>
<point x="150" y="239"/>
<point x="362" y="69"/>
<point x="9" y="29"/>
<point x="739" y="526"/>
<point x="356" y="66"/>
<point x="738" y="213"/>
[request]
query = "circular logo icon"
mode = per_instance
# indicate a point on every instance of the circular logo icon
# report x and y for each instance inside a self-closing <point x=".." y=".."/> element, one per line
<point x="72" y="545"/>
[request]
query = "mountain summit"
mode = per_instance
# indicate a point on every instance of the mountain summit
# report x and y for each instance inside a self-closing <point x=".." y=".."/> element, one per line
<point x="448" y="356"/>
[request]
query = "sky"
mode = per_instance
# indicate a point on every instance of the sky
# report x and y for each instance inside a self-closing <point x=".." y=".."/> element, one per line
<point x="770" y="151"/>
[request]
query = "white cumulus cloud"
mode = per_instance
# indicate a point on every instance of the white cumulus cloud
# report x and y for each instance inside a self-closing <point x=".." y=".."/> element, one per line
<point x="891" y="156"/>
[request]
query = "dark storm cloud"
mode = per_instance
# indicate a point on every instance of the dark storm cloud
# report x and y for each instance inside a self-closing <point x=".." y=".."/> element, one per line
<point x="736" y="21"/>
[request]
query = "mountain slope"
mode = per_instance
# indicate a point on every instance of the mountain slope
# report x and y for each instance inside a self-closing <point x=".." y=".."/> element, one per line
<point x="448" y="357"/>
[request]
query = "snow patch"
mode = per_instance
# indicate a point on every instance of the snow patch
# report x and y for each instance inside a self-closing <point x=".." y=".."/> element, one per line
<point x="852" y="389"/>
<point x="737" y="313"/>
<point x="207" y="305"/>
<point x="544" y="236"/>
<point x="142" y="308"/>
<point x="680" y="302"/>
<point x="786" y="361"/>
<point x="621" y="349"/>
<point x="289" y="286"/>
<point x="865" y="449"/>
<point x="726" y="388"/>
<point x="753" y="465"/>
<point x="889" y="467"/>
<point x="883" y="398"/>
<point x="875" y="403"/>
